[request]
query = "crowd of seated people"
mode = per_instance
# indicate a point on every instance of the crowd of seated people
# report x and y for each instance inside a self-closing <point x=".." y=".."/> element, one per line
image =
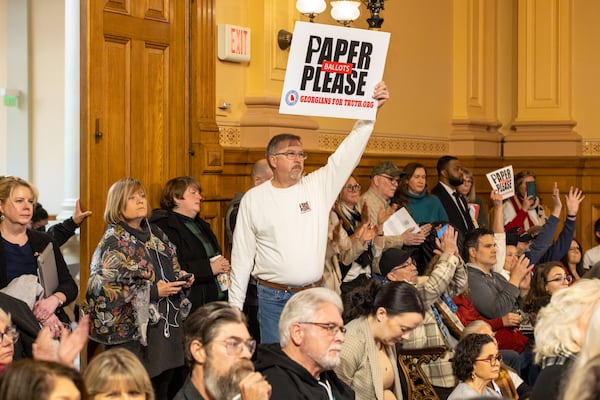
<point x="510" y="305"/>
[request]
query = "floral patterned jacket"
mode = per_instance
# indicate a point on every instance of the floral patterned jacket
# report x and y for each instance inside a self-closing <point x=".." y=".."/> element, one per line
<point x="123" y="273"/>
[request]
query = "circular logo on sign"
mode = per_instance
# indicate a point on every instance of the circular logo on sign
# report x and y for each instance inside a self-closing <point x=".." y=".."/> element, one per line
<point x="291" y="97"/>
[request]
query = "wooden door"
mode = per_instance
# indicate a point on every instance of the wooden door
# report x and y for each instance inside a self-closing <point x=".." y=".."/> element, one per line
<point x="134" y="101"/>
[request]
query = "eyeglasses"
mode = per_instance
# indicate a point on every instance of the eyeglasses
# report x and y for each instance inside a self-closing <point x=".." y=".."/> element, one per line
<point x="566" y="278"/>
<point x="575" y="248"/>
<point x="331" y="328"/>
<point x="293" y="155"/>
<point x="393" y="181"/>
<point x="11" y="332"/>
<point x="235" y="345"/>
<point x="406" y="264"/>
<point x="491" y="359"/>
<point x="353" y="188"/>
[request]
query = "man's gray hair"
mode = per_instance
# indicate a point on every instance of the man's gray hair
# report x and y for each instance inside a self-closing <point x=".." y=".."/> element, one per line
<point x="556" y="330"/>
<point x="302" y="307"/>
<point x="473" y="327"/>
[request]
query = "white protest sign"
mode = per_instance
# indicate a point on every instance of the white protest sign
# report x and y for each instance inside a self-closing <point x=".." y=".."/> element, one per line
<point x="332" y="71"/>
<point x="503" y="181"/>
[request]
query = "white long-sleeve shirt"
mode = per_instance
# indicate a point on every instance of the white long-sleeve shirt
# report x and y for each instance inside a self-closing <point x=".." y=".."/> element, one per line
<point x="281" y="233"/>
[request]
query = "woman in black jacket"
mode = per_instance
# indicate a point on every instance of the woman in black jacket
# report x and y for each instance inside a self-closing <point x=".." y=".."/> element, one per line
<point x="20" y="247"/>
<point x="198" y="251"/>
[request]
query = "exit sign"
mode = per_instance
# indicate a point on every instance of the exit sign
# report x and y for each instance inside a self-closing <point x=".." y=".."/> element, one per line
<point x="233" y="43"/>
<point x="10" y="101"/>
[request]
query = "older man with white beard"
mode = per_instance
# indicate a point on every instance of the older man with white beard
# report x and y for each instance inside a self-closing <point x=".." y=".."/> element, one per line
<point x="219" y="347"/>
<point x="311" y="332"/>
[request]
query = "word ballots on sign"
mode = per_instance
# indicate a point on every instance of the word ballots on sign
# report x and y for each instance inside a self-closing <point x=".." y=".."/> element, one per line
<point x="502" y="180"/>
<point x="332" y="71"/>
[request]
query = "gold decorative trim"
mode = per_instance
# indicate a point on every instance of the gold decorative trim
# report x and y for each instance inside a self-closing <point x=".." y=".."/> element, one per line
<point x="591" y="147"/>
<point x="384" y="144"/>
<point x="229" y="136"/>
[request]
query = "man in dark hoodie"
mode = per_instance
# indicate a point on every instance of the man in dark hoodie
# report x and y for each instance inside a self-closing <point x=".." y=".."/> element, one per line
<point x="218" y="347"/>
<point x="311" y="332"/>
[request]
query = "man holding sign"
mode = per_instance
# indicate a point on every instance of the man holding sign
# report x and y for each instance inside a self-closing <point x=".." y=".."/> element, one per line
<point x="281" y="231"/>
<point x="331" y="69"/>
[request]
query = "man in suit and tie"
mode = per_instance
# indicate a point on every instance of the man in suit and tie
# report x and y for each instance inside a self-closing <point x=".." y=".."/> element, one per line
<point x="450" y="176"/>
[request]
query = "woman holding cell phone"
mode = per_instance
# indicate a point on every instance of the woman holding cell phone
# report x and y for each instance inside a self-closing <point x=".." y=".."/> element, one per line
<point x="198" y="250"/>
<point x="134" y="297"/>
<point x="523" y="210"/>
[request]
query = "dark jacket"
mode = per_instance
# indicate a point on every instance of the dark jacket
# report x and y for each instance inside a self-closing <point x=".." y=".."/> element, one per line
<point x="25" y="322"/>
<point x="63" y="231"/>
<point x="455" y="215"/>
<point x="548" y="383"/>
<point x="191" y="253"/>
<point x="290" y="381"/>
<point x="188" y="392"/>
<point x="38" y="242"/>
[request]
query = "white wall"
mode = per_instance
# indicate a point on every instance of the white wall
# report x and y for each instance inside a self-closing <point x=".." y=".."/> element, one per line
<point x="3" y="47"/>
<point x="47" y="100"/>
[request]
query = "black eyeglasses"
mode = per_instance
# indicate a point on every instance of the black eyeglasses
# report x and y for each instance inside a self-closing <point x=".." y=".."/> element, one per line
<point x="491" y="359"/>
<point x="331" y="328"/>
<point x="293" y="155"/>
<point x="393" y="181"/>
<point x="353" y="188"/>
<point x="566" y="278"/>
<point x="11" y="332"/>
<point x="235" y="345"/>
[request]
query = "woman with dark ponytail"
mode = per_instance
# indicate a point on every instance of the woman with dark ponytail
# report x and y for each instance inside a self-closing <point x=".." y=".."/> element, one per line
<point x="381" y="316"/>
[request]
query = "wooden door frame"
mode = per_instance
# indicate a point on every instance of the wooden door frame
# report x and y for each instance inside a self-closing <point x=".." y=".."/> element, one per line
<point x="206" y="155"/>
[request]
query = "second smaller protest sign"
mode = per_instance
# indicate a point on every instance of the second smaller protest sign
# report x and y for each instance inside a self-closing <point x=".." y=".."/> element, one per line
<point x="503" y="181"/>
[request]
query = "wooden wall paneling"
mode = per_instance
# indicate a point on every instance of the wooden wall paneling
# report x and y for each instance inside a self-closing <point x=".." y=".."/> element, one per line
<point x="133" y="62"/>
<point x="567" y="171"/>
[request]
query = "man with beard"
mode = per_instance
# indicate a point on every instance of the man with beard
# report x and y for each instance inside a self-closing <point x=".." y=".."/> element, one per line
<point x="219" y="347"/>
<point x="281" y="230"/>
<point x="311" y="333"/>
<point x="450" y="176"/>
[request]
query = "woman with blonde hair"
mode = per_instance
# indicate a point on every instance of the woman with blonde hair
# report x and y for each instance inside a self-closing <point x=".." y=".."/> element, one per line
<point x="583" y="380"/>
<point x="134" y="293"/>
<point x="20" y="247"/>
<point x="117" y="374"/>
<point x="560" y="333"/>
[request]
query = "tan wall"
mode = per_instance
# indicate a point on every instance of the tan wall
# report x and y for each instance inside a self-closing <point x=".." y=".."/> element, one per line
<point x="419" y="66"/>
<point x="231" y="77"/>
<point x="586" y="68"/>
<point x="419" y="74"/>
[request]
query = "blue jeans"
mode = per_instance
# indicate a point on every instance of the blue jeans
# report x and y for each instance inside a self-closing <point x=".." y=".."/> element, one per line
<point x="270" y="305"/>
